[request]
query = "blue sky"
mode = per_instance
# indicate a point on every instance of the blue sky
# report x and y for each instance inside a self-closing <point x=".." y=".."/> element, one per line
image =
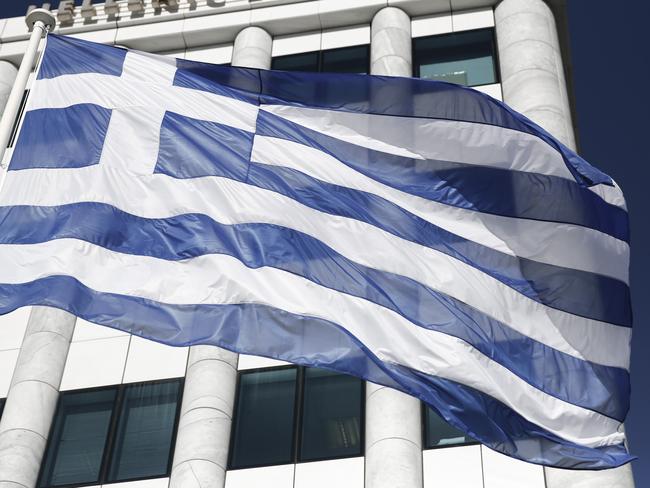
<point x="611" y="66"/>
<point x="611" y="73"/>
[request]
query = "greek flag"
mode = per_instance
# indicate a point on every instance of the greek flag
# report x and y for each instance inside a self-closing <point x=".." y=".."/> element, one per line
<point x="416" y="234"/>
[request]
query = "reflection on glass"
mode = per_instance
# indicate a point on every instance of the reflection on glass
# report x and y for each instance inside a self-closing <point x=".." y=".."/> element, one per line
<point x="438" y="433"/>
<point x="346" y="60"/>
<point x="465" y="58"/>
<point x="331" y="422"/>
<point x="353" y="59"/>
<point x="296" y="62"/>
<point x="76" y="446"/>
<point x="264" y="419"/>
<point x="144" y="435"/>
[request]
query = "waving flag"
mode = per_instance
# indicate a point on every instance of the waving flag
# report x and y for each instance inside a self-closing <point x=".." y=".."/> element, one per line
<point x="417" y="234"/>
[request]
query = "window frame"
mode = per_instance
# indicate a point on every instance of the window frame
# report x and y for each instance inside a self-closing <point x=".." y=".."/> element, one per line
<point x="296" y="435"/>
<point x="424" y="420"/>
<point x="497" y="68"/>
<point x="112" y="431"/>
<point x="319" y="58"/>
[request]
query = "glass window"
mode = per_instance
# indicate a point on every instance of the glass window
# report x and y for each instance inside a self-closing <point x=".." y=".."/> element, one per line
<point x="346" y="60"/>
<point x="466" y="58"/>
<point x="263" y="430"/>
<point x="144" y="435"/>
<point x="78" y="437"/>
<point x="2" y="405"/>
<point x="296" y="62"/>
<point x="332" y="413"/>
<point x="355" y="59"/>
<point x="438" y="433"/>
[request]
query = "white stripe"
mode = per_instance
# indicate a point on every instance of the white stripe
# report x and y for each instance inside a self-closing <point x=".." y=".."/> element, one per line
<point x="566" y="245"/>
<point x="222" y="279"/>
<point x="115" y="92"/>
<point x="231" y="202"/>
<point x="133" y="135"/>
<point x="446" y="140"/>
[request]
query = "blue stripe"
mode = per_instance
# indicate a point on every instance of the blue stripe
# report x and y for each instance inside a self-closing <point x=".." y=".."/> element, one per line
<point x="262" y="330"/>
<point x="69" y="137"/>
<point x="69" y="56"/>
<point x="491" y="190"/>
<point x="574" y="291"/>
<point x="189" y="147"/>
<point x="600" y="388"/>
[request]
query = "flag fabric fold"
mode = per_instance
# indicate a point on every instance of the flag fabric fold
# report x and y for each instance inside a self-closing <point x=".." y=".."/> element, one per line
<point x="416" y="234"/>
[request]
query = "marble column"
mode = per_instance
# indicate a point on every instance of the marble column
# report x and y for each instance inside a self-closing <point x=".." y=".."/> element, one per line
<point x="203" y="437"/>
<point x="533" y="83"/>
<point x="393" y="419"/>
<point x="202" y="442"/>
<point x="390" y="43"/>
<point x="252" y="48"/>
<point x="532" y="74"/>
<point x="7" y="76"/>
<point x="33" y="395"/>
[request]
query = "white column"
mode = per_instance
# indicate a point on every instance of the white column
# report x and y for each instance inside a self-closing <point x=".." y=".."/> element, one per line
<point x="393" y="419"/>
<point x="201" y="454"/>
<point x="390" y="43"/>
<point x="532" y="74"/>
<point x="7" y="77"/>
<point x="33" y="395"/>
<point x="202" y="442"/>
<point x="252" y="48"/>
<point x="533" y="84"/>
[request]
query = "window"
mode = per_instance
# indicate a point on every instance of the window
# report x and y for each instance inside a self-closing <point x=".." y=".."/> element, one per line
<point x="288" y="414"/>
<point x="354" y="59"/>
<point x="264" y="418"/>
<point x="438" y="433"/>
<point x="78" y="438"/>
<point x="2" y="405"/>
<point x="112" y="434"/>
<point x="466" y="58"/>
<point x="145" y="431"/>
<point x="331" y="417"/>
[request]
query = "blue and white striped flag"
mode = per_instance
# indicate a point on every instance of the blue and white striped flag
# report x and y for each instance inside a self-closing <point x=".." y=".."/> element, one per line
<point x="417" y="234"/>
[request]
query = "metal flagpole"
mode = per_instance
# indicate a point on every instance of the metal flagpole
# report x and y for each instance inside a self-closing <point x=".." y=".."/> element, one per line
<point x="34" y="391"/>
<point x="39" y="21"/>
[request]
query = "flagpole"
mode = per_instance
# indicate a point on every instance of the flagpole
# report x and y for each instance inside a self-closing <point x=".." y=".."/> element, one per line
<point x="40" y="21"/>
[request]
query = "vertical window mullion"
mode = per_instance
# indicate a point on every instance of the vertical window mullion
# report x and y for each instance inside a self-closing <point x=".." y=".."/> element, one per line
<point x="110" y="438"/>
<point x="179" y="403"/>
<point x="298" y="410"/>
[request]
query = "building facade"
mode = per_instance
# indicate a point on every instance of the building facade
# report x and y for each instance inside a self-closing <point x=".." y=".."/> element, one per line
<point x="84" y="405"/>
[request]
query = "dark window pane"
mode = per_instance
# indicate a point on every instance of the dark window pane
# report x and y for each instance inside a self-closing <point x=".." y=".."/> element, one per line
<point x="143" y="440"/>
<point x="331" y="422"/>
<point x="296" y="62"/>
<point x="264" y="420"/>
<point x="438" y="433"/>
<point x="347" y="60"/>
<point x="2" y="406"/>
<point x="466" y="58"/>
<point x="78" y="437"/>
